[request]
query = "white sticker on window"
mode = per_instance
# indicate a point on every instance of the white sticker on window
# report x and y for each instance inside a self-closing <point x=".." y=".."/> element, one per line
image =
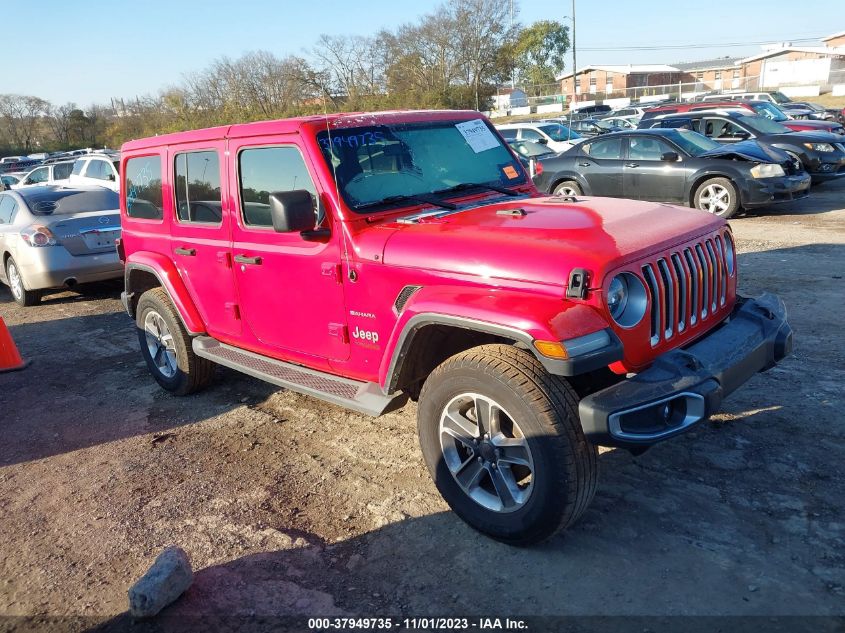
<point x="478" y="135"/>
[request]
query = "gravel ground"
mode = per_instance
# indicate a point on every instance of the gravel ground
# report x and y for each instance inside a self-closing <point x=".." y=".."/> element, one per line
<point x="287" y="505"/>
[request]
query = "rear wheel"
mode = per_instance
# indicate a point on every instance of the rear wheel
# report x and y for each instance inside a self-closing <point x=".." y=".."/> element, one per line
<point x="19" y="292"/>
<point x="502" y="439"/>
<point x="717" y="196"/>
<point x="567" y="188"/>
<point x="166" y="346"/>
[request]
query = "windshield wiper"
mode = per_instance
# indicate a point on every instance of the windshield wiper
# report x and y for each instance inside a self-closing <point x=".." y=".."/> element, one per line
<point x="478" y="185"/>
<point x="417" y="197"/>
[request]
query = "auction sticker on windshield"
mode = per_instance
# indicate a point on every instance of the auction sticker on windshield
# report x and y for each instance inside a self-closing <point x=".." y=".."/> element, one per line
<point x="478" y="135"/>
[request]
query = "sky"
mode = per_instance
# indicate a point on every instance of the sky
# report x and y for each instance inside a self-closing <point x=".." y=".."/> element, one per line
<point x="67" y="53"/>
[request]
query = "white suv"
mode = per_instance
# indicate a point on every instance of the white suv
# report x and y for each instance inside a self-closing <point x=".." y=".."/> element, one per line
<point x="96" y="169"/>
<point x="552" y="134"/>
<point x="53" y="174"/>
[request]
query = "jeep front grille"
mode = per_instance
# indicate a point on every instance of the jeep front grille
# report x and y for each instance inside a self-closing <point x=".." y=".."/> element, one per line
<point x="686" y="287"/>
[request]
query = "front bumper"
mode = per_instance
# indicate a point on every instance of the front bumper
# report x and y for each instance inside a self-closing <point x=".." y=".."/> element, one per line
<point x="685" y="386"/>
<point x="765" y="191"/>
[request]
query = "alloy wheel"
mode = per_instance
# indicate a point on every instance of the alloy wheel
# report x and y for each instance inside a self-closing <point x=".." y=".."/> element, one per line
<point x="715" y="199"/>
<point x="486" y="452"/>
<point x="160" y="344"/>
<point x="15" y="281"/>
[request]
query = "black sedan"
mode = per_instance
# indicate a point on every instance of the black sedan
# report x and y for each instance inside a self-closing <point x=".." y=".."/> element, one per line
<point x="822" y="153"/>
<point x="679" y="166"/>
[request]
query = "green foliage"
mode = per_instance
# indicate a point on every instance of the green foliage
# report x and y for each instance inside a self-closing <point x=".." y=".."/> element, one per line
<point x="539" y="52"/>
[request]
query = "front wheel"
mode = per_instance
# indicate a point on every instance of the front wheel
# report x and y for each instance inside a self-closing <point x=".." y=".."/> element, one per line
<point x="718" y="196"/>
<point x="502" y="439"/>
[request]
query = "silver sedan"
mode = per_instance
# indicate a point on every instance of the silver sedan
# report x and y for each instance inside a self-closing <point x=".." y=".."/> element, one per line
<point x="52" y="237"/>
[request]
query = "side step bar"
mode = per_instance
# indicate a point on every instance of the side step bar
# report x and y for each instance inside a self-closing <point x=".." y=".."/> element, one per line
<point x="363" y="397"/>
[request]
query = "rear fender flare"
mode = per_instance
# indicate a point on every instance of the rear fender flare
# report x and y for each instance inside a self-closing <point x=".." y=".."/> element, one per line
<point x="164" y="270"/>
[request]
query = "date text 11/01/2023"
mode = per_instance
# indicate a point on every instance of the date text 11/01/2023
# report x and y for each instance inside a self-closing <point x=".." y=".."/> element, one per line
<point x="418" y="624"/>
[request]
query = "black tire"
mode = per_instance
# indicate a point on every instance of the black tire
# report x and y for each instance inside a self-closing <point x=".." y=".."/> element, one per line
<point x="570" y="186"/>
<point x="565" y="464"/>
<point x="19" y="292"/>
<point x="191" y="372"/>
<point x="730" y="196"/>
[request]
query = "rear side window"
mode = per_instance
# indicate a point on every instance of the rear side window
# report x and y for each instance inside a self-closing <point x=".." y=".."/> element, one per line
<point x="61" y="171"/>
<point x="264" y="170"/>
<point x="509" y="134"/>
<point x="610" y="149"/>
<point x="197" y="180"/>
<point x="143" y="188"/>
<point x="8" y="206"/>
<point x="77" y="167"/>
<point x="95" y="170"/>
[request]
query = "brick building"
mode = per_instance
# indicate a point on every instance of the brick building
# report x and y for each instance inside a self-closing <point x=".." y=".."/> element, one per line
<point x="618" y="80"/>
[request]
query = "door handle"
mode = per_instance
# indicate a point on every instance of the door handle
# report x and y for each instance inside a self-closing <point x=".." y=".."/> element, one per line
<point x="583" y="164"/>
<point x="632" y="164"/>
<point x="243" y="259"/>
<point x="189" y="252"/>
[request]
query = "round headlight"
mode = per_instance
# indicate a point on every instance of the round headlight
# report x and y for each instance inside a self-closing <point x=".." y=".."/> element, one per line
<point x="729" y="253"/>
<point x="626" y="299"/>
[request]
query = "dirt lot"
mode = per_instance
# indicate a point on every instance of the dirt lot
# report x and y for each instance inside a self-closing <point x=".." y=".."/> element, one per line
<point x="290" y="506"/>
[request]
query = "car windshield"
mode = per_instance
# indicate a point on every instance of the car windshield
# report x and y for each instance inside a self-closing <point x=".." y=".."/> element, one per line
<point x="779" y="97"/>
<point x="67" y="201"/>
<point x="763" y="125"/>
<point x="770" y="111"/>
<point x="531" y="149"/>
<point x="693" y="143"/>
<point x="381" y="165"/>
<point x="558" y="132"/>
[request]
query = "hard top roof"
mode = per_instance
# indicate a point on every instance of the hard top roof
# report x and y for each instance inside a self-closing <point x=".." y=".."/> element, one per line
<point x="293" y="125"/>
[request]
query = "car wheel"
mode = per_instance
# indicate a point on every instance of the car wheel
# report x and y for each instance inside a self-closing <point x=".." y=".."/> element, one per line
<point x="166" y="346"/>
<point x="717" y="196"/>
<point x="19" y="292"/>
<point x="567" y="188"/>
<point x="503" y="441"/>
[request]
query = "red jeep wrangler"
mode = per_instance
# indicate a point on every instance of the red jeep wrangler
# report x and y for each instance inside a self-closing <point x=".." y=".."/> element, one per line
<point x="368" y="258"/>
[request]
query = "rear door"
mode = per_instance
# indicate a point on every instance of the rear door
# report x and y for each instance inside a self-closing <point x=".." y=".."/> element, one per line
<point x="290" y="288"/>
<point x="647" y="177"/>
<point x="601" y="163"/>
<point x="201" y="243"/>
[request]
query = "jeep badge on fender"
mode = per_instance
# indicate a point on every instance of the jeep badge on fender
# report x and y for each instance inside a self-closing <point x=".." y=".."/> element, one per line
<point x="368" y="259"/>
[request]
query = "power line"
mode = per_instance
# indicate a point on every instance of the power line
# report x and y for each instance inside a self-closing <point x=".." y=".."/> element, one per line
<point x="683" y="46"/>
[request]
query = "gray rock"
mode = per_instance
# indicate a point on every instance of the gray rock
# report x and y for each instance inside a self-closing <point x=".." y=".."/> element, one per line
<point x="167" y="579"/>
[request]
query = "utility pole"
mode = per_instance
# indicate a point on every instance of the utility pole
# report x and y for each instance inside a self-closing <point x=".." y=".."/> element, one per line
<point x="513" y="61"/>
<point x="574" y="73"/>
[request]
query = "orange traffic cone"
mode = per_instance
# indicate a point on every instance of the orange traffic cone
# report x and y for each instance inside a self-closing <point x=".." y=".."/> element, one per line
<point x="10" y="358"/>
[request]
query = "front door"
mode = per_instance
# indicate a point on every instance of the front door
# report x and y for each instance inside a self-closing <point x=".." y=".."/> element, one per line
<point x="201" y="240"/>
<point x="647" y="177"/>
<point x="290" y="288"/>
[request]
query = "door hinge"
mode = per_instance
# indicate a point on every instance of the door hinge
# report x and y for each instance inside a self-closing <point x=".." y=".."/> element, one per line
<point x="340" y="331"/>
<point x="330" y="269"/>
<point x="234" y="309"/>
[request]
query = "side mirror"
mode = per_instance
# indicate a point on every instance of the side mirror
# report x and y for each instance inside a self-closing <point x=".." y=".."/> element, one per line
<point x="292" y="211"/>
<point x="543" y="141"/>
<point x="742" y="135"/>
<point x="670" y="157"/>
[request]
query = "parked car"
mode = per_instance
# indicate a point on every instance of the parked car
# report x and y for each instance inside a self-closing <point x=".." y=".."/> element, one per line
<point x="17" y="164"/>
<point x="368" y="259"/>
<point x="98" y="169"/>
<point x="816" y="111"/>
<point x="52" y="237"/>
<point x="592" y="127"/>
<point x="774" y="96"/>
<point x="821" y="153"/>
<point x="631" y="111"/>
<point x="764" y="108"/>
<point x="591" y="110"/>
<point x="620" y="122"/>
<point x="531" y="149"/>
<point x="50" y="174"/>
<point x="556" y="136"/>
<point x="677" y="166"/>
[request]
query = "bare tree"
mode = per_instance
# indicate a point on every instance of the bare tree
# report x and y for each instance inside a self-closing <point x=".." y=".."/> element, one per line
<point x="20" y="116"/>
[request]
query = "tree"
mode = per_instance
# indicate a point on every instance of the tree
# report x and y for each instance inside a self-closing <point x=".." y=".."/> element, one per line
<point x="539" y="52"/>
<point x="21" y="116"/>
<point x="59" y="121"/>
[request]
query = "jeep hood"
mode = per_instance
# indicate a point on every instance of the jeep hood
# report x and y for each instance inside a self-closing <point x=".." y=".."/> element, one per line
<point x="541" y="239"/>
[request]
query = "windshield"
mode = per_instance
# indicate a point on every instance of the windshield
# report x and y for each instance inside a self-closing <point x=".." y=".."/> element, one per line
<point x="379" y="164"/>
<point x="763" y="125"/>
<point x="558" y="132"/>
<point x="779" y="97"/>
<point x="693" y="143"/>
<point x="531" y="149"/>
<point x="770" y="111"/>
<point x="68" y="201"/>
